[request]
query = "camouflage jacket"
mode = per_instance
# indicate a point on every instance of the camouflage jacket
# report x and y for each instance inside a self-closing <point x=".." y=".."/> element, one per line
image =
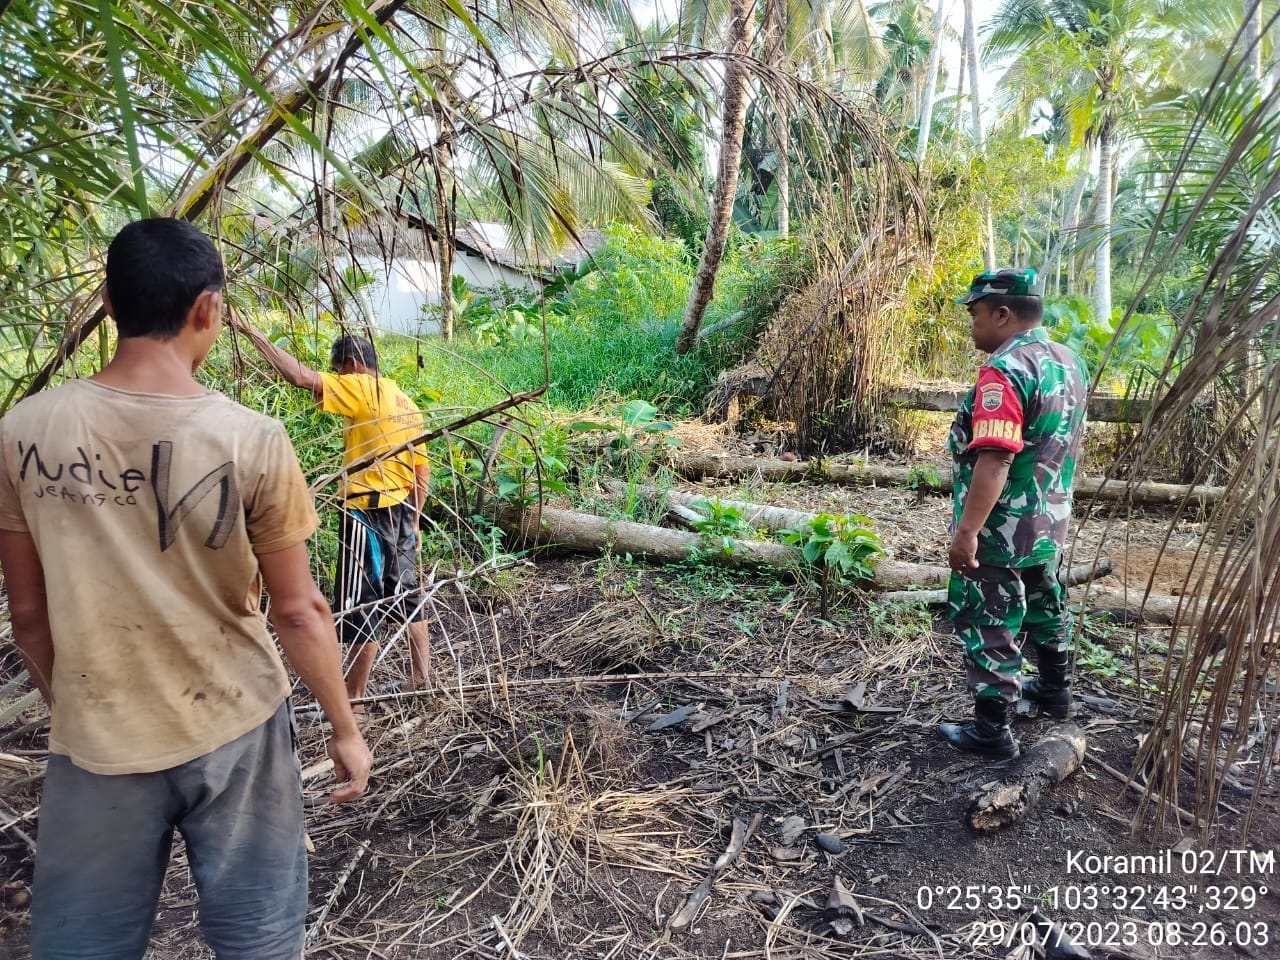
<point x="1031" y="399"/>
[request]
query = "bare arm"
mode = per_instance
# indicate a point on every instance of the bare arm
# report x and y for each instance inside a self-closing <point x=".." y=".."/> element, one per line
<point x="421" y="481"/>
<point x="304" y="624"/>
<point x="28" y="607"/>
<point x="989" y="476"/>
<point x="292" y="369"/>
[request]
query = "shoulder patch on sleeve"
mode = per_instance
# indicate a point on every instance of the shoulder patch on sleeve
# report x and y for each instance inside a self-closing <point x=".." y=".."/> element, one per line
<point x="992" y="395"/>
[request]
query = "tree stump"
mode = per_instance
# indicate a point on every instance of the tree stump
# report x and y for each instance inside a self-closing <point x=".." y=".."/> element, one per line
<point x="1008" y="801"/>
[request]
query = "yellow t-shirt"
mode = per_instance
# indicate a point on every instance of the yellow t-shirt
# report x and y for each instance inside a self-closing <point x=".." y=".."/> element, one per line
<point x="380" y="420"/>
<point x="148" y="513"/>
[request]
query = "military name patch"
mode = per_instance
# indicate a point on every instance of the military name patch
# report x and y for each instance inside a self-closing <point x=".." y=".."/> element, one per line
<point x="997" y="429"/>
<point x="992" y="396"/>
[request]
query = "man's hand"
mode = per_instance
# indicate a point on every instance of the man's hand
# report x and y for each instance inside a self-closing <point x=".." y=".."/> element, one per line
<point x="352" y="762"/>
<point x="962" y="555"/>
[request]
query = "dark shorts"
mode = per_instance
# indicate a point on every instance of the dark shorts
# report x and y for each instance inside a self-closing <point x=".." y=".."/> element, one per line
<point x="377" y="571"/>
<point x="104" y="846"/>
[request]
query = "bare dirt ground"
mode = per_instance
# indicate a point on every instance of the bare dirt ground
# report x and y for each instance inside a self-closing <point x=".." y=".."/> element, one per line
<point x="600" y="727"/>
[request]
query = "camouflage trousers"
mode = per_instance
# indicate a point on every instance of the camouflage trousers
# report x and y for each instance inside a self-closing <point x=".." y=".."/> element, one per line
<point x="997" y="609"/>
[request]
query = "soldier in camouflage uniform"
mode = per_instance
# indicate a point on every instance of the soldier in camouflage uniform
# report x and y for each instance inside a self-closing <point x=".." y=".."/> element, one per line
<point x="1014" y="445"/>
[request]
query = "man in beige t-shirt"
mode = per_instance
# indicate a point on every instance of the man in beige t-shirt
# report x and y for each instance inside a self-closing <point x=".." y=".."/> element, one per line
<point x="140" y="517"/>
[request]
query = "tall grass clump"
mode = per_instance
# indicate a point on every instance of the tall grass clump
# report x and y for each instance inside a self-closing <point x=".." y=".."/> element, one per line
<point x="610" y="335"/>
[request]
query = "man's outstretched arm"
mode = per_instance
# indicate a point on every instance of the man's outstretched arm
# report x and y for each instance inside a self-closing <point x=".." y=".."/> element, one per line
<point x="288" y="366"/>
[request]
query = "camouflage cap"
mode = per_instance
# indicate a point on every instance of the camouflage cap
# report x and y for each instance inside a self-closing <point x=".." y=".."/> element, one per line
<point x="1012" y="283"/>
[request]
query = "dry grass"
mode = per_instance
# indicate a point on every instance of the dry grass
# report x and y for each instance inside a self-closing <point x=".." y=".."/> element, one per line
<point x="516" y="809"/>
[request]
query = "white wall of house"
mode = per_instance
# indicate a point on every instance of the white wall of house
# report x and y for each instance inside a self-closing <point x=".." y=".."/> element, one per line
<point x="394" y="300"/>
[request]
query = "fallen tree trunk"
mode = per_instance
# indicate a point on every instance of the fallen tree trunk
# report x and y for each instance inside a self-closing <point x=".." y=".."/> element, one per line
<point x="1103" y="408"/>
<point x="1076" y="575"/>
<point x="592" y="534"/>
<point x="1107" y="408"/>
<point x="699" y="466"/>
<point x="585" y="532"/>
<point x="1008" y="801"/>
<point x="1131" y="606"/>
<point x="1127" y="606"/>
<point x="756" y="514"/>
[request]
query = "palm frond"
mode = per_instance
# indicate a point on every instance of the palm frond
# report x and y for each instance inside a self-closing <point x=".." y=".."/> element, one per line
<point x="1221" y="653"/>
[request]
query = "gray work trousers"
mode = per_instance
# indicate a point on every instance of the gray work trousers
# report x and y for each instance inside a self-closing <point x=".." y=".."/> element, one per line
<point x="104" y="841"/>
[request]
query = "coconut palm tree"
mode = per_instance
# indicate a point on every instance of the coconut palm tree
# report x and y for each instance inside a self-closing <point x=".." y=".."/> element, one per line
<point x="1101" y="57"/>
<point x="732" y="122"/>
<point x="249" y="107"/>
<point x="907" y="41"/>
<point x="930" y="83"/>
<point x="971" y="42"/>
<point x="805" y="42"/>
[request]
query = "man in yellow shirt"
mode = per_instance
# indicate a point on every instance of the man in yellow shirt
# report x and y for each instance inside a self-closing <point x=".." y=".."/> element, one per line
<point x="384" y="485"/>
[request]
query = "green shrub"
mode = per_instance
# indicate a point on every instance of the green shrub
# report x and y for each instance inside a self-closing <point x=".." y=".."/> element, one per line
<point x="1136" y="355"/>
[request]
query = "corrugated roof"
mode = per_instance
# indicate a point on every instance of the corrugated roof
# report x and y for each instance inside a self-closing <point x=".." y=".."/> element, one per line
<point x="413" y="238"/>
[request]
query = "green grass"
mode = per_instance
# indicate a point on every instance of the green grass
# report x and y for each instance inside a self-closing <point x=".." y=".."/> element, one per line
<point x="591" y="367"/>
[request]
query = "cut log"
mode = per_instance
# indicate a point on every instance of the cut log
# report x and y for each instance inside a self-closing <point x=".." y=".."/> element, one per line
<point x="1103" y="408"/>
<point x="1146" y="491"/>
<point x="696" y="466"/>
<point x="699" y="466"/>
<point x="756" y="514"/>
<point x="1076" y="575"/>
<point x="1129" y="607"/>
<point x="687" y="518"/>
<point x="587" y="533"/>
<point x="1008" y="801"/>
<point x="1108" y="408"/>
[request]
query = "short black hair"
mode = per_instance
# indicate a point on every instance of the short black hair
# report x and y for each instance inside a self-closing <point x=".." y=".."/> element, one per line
<point x="156" y="269"/>
<point x="349" y="347"/>
<point x="1026" y="309"/>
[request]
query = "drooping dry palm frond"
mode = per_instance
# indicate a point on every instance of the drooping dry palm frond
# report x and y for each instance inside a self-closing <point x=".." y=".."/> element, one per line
<point x="828" y="345"/>
<point x="1218" y="711"/>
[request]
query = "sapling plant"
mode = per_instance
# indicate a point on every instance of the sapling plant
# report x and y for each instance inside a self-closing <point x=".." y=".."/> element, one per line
<point x="842" y="546"/>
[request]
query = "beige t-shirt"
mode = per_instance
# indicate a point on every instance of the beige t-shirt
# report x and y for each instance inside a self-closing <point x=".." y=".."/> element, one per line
<point x="148" y="512"/>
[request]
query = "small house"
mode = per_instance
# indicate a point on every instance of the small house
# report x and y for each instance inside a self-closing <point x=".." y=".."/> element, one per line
<point x="403" y="275"/>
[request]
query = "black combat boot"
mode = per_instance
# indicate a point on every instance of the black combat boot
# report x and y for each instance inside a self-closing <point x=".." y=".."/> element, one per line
<point x="1051" y="690"/>
<point x="988" y="735"/>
